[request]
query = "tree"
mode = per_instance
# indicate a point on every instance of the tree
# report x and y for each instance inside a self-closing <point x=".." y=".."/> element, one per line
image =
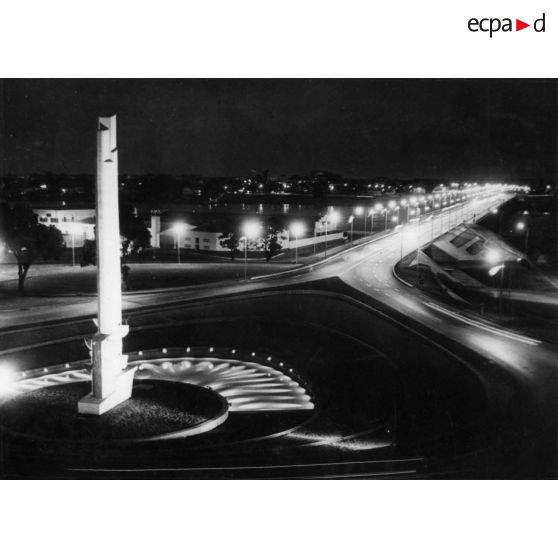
<point x="270" y="239"/>
<point x="134" y="237"/>
<point x="27" y="239"/>
<point x="267" y="241"/>
<point x="230" y="241"/>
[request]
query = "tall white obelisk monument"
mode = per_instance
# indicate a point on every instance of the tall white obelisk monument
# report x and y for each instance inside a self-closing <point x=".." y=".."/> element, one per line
<point x="111" y="382"/>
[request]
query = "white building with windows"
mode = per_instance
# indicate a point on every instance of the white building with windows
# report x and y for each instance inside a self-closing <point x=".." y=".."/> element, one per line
<point x="76" y="225"/>
<point x="191" y="238"/>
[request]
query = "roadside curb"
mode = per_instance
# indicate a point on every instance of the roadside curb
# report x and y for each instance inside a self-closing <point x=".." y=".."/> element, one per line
<point x="400" y="278"/>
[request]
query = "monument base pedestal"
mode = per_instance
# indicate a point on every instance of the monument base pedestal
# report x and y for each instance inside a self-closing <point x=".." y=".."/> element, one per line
<point x="91" y="405"/>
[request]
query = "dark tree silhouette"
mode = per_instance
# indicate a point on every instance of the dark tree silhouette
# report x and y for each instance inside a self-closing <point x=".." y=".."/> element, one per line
<point x="27" y="239"/>
<point x="230" y="241"/>
<point x="134" y="236"/>
<point x="267" y="242"/>
<point x="270" y="238"/>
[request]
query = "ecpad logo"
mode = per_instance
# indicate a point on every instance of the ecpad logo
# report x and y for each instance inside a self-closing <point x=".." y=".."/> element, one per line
<point x="493" y="25"/>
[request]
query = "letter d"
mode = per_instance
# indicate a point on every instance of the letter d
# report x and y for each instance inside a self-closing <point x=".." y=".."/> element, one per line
<point x="542" y="23"/>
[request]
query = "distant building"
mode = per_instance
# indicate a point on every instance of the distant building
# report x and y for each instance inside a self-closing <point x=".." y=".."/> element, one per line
<point x="207" y="236"/>
<point x="76" y="224"/>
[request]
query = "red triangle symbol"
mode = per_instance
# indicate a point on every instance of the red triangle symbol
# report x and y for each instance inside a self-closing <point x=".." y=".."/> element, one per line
<point x="519" y="25"/>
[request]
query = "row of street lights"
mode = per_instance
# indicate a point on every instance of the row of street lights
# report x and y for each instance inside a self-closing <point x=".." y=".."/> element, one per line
<point x="251" y="229"/>
<point x="412" y="205"/>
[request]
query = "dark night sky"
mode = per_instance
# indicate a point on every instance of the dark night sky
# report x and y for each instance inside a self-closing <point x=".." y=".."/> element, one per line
<point x="405" y="128"/>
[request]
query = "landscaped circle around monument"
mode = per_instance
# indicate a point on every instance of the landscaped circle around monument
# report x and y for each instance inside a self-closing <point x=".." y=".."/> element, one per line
<point x="178" y="392"/>
<point x="157" y="410"/>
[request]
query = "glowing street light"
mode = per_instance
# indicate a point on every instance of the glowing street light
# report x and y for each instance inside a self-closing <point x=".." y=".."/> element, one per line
<point x="179" y="229"/>
<point x="251" y="231"/>
<point x="7" y="378"/>
<point x="333" y="217"/>
<point x="297" y="229"/>
<point x="493" y="256"/>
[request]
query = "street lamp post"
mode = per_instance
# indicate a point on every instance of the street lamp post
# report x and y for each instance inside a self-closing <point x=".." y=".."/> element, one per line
<point x="178" y="246"/>
<point x="358" y="212"/>
<point x="325" y="248"/>
<point x="405" y="205"/>
<point x="251" y="229"/>
<point x="523" y="226"/>
<point x="178" y="229"/>
<point x="377" y="208"/>
<point x="391" y="206"/>
<point x="245" y="258"/>
<point x="73" y="248"/>
<point x="297" y="229"/>
<point x="351" y="219"/>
